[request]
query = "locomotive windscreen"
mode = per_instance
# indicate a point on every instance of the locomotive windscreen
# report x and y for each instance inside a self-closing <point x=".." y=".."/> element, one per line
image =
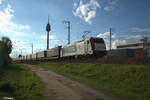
<point x="98" y="40"/>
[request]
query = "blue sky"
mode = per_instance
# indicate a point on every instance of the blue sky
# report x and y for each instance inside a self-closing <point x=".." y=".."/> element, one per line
<point x="24" y="21"/>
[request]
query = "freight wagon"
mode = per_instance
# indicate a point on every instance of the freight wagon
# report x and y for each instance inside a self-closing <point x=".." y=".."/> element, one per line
<point x="41" y="55"/>
<point x="54" y="53"/>
<point x="33" y="56"/>
<point x="28" y="57"/>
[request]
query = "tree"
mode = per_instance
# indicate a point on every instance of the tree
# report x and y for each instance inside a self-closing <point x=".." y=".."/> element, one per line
<point x="6" y="45"/>
<point x="5" y="50"/>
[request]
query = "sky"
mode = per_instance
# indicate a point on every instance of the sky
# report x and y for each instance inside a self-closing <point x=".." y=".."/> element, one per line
<point x="24" y="22"/>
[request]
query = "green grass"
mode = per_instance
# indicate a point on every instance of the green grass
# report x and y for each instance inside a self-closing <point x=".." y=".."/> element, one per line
<point x="128" y="82"/>
<point x="19" y="82"/>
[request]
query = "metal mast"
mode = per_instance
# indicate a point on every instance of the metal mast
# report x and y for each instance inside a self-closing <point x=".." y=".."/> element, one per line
<point x="32" y="47"/>
<point x="68" y="23"/>
<point x="110" y="39"/>
<point x="48" y="29"/>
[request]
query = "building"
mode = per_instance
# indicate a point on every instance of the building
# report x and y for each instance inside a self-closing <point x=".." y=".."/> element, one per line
<point x="142" y="44"/>
<point x="141" y="48"/>
<point x="139" y="45"/>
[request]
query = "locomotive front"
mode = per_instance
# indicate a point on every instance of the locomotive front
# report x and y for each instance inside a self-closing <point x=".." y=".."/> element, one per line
<point x="98" y="47"/>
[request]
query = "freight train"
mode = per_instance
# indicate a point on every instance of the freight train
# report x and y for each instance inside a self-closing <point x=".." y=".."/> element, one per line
<point x="90" y="47"/>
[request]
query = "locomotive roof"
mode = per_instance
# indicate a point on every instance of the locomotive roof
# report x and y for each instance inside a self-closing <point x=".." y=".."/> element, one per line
<point x="88" y="39"/>
<point x="83" y="40"/>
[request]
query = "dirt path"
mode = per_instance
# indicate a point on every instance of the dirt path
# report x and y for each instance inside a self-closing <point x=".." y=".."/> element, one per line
<point x="59" y="87"/>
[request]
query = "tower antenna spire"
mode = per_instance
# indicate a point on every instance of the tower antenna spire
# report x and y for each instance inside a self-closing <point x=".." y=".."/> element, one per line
<point x="48" y="18"/>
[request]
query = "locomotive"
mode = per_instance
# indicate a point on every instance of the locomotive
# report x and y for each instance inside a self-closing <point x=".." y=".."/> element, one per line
<point x="90" y="47"/>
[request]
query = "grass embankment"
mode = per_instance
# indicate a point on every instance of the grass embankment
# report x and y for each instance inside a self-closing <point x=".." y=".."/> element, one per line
<point x="129" y="82"/>
<point x="19" y="82"/>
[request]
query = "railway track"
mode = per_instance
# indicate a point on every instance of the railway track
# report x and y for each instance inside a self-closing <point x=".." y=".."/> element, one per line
<point x="93" y="61"/>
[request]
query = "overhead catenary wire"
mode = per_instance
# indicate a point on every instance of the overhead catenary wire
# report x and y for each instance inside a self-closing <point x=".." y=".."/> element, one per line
<point x="85" y="33"/>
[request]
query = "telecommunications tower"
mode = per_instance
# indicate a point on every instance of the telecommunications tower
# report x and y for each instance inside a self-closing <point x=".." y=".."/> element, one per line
<point x="48" y="29"/>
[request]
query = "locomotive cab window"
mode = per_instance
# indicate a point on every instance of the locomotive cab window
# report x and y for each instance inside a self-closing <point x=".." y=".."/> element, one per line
<point x="87" y="42"/>
<point x="98" y="40"/>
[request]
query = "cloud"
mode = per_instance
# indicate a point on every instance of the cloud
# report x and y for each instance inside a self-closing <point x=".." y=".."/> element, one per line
<point x="86" y="11"/>
<point x="136" y="29"/>
<point x="39" y="48"/>
<point x="45" y="37"/>
<point x="26" y="27"/>
<point x="6" y="15"/>
<point x="7" y="26"/>
<point x="18" y="42"/>
<point x="18" y="51"/>
<point x="34" y="33"/>
<point x="18" y="47"/>
<point x="118" y="39"/>
<point x="13" y="30"/>
<point x="1" y="2"/>
<point x="110" y="5"/>
<point x="19" y="33"/>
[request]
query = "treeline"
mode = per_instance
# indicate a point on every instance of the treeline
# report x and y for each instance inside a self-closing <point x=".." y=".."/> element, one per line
<point x="5" y="50"/>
